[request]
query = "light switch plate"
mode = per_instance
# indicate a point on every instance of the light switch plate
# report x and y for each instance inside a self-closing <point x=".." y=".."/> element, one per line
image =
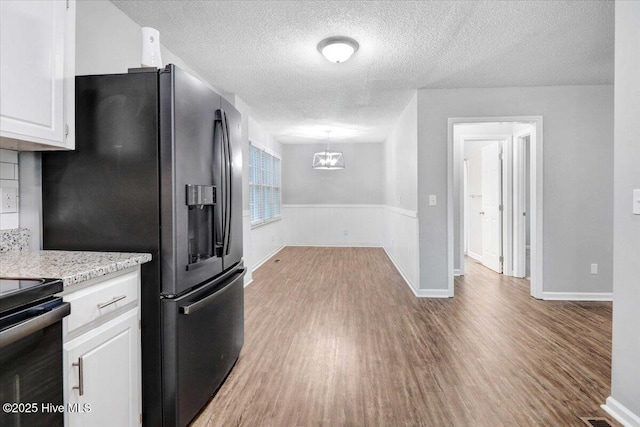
<point x="636" y="201"/>
<point x="433" y="201"/>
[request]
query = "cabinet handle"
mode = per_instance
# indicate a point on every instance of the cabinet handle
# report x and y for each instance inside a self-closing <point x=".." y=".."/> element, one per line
<point x="80" y="386"/>
<point x="113" y="301"/>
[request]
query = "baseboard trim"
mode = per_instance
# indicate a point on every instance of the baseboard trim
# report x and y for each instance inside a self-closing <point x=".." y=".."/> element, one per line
<point x="577" y="296"/>
<point x="248" y="283"/>
<point x="320" y="206"/>
<point x="433" y="293"/>
<point x="474" y="256"/>
<point x="457" y="272"/>
<point x="336" y="246"/>
<point x="265" y="259"/>
<point x="621" y="413"/>
<point x="404" y="276"/>
<point x="420" y="293"/>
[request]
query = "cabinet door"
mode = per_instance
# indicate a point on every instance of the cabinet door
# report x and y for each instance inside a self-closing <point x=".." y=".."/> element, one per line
<point x="102" y="373"/>
<point x="37" y="57"/>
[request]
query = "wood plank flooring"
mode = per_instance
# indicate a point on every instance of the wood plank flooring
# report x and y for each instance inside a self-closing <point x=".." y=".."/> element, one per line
<point x="334" y="337"/>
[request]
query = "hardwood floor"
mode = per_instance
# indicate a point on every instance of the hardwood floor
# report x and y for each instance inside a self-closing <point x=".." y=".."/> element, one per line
<point x="334" y="337"/>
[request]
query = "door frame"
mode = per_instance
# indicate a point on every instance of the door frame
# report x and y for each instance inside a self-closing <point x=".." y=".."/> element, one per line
<point x="507" y="213"/>
<point x="536" y="193"/>
<point x="520" y="202"/>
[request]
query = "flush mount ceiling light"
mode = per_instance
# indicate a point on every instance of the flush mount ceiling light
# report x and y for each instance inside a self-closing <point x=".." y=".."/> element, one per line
<point x="338" y="49"/>
<point x="328" y="160"/>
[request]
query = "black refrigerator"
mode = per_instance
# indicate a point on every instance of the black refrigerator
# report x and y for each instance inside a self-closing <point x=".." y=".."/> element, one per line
<point x="158" y="168"/>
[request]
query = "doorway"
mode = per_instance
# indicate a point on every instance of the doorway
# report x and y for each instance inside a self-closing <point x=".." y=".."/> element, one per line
<point x="482" y="199"/>
<point x="495" y="196"/>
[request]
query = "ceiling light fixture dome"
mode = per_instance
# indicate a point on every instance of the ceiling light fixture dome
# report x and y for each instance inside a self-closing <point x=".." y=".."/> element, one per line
<point x="338" y="49"/>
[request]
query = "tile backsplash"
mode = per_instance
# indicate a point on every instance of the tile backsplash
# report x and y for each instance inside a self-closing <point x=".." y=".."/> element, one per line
<point x="9" y="190"/>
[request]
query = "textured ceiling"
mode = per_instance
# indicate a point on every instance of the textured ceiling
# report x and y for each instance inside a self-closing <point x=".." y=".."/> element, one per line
<point x="265" y="52"/>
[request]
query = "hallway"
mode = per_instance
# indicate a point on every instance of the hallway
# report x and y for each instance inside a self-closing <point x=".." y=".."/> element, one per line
<point x="334" y="337"/>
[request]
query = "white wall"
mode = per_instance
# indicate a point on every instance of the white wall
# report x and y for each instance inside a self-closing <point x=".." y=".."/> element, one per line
<point x="625" y="361"/>
<point x="265" y="240"/>
<point x="578" y="176"/>
<point x="259" y="136"/>
<point x="401" y="194"/>
<point x="9" y="181"/>
<point x="334" y="225"/>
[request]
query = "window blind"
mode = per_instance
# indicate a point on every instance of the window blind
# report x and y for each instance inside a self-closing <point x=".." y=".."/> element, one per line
<point x="264" y="185"/>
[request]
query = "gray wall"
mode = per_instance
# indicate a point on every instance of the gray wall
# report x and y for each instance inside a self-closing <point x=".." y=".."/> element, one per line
<point x="401" y="163"/>
<point x="625" y="378"/>
<point x="361" y="182"/>
<point x="578" y="177"/>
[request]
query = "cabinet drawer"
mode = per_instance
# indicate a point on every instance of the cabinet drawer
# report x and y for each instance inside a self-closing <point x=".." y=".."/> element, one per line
<point x="92" y="303"/>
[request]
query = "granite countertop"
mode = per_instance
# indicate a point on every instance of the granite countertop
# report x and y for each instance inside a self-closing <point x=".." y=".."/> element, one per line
<point x="70" y="266"/>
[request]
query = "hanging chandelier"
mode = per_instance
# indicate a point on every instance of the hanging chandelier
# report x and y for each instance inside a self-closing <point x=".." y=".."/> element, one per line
<point x="328" y="160"/>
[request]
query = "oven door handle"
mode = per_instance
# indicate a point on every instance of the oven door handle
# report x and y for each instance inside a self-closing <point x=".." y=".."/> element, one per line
<point x="28" y="327"/>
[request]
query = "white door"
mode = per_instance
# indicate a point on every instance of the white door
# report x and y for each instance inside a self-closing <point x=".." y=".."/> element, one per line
<point x="103" y="374"/>
<point x="492" y="206"/>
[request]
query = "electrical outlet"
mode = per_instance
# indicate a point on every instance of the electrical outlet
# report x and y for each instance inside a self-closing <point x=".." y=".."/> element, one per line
<point x="433" y="201"/>
<point x="8" y="200"/>
<point x="594" y="268"/>
<point x="345" y="232"/>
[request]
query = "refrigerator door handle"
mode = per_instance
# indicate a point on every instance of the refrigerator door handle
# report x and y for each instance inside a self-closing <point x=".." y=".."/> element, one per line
<point x="220" y="213"/>
<point x="227" y="183"/>
<point x="201" y="303"/>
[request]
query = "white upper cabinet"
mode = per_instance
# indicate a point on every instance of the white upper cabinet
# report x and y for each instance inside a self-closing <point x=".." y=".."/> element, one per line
<point x="37" y="74"/>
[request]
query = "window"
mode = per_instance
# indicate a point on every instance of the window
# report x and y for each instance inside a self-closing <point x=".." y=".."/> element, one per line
<point x="264" y="185"/>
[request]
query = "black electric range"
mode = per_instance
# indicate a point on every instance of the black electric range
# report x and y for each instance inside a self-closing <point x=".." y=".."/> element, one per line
<point x="17" y="292"/>
<point x="31" y="351"/>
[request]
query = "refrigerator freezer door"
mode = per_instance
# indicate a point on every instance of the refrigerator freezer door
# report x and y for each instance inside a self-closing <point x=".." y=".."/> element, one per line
<point x="187" y="120"/>
<point x="204" y="332"/>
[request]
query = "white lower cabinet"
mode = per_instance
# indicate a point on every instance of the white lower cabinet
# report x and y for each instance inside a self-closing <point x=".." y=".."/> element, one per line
<point x="102" y="376"/>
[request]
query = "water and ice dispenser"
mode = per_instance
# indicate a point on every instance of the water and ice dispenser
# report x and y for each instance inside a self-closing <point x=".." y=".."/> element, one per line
<point x="201" y="200"/>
